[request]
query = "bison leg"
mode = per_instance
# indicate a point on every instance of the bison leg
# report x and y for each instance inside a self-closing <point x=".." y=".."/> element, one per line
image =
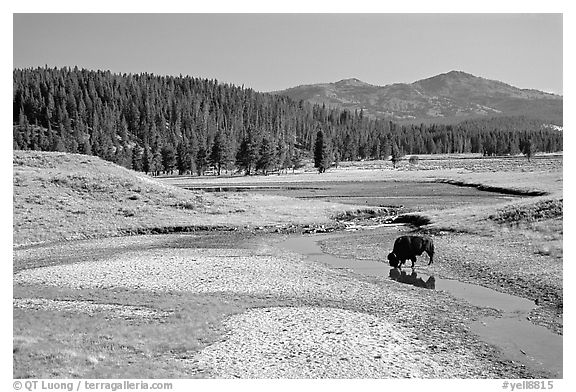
<point x="400" y="262"/>
<point x="413" y="259"/>
<point x="431" y="255"/>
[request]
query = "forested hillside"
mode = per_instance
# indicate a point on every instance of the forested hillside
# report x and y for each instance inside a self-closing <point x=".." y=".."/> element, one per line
<point x="163" y="123"/>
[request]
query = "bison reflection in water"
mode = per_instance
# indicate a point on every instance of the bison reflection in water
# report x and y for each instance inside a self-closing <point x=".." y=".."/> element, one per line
<point x="413" y="279"/>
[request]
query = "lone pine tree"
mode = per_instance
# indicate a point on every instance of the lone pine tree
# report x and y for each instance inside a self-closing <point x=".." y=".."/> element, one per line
<point x="397" y="154"/>
<point x="321" y="153"/>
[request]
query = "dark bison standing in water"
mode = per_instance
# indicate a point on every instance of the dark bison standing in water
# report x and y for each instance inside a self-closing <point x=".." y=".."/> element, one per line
<point x="408" y="247"/>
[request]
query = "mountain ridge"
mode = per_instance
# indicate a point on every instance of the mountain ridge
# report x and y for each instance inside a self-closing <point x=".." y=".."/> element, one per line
<point x="447" y="97"/>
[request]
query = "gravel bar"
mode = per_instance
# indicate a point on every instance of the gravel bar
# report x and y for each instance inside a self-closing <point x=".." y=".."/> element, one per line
<point x="332" y="324"/>
<point x="307" y="342"/>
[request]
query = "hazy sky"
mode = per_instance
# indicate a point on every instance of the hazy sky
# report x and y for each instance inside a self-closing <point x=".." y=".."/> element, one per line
<point x="276" y="51"/>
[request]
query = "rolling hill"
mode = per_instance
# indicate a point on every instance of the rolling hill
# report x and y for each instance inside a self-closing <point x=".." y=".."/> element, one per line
<point x="446" y="98"/>
<point x="60" y="196"/>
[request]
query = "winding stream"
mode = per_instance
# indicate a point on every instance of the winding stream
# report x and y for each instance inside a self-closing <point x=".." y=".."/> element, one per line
<point x="412" y="195"/>
<point x="517" y="338"/>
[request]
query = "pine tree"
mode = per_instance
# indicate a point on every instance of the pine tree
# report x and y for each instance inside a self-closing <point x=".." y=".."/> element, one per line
<point x="183" y="160"/>
<point x="168" y="159"/>
<point x="21" y="133"/>
<point x="513" y="148"/>
<point x="528" y="148"/>
<point x="146" y="159"/>
<point x="201" y="160"/>
<point x="297" y="160"/>
<point x="57" y="144"/>
<point x="289" y="159"/>
<point x="247" y="155"/>
<point x="219" y="155"/>
<point x="281" y="155"/>
<point x="397" y="154"/>
<point x="349" y="149"/>
<point x="266" y="156"/>
<point x="376" y="150"/>
<point x="123" y="157"/>
<point x="430" y="146"/>
<point x="321" y="153"/>
<point x="192" y="148"/>
<point x="137" y="158"/>
<point x="85" y="147"/>
<point x="156" y="164"/>
<point x="501" y="146"/>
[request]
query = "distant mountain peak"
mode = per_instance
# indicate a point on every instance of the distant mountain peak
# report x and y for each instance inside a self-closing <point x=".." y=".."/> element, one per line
<point x="448" y="97"/>
<point x="459" y="73"/>
<point x="452" y="75"/>
<point x="351" y="82"/>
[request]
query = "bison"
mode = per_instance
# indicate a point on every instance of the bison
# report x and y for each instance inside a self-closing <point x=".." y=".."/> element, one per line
<point x="407" y="247"/>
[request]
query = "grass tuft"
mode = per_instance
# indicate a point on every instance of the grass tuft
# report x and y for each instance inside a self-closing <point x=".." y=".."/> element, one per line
<point x="186" y="205"/>
<point x="413" y="219"/>
<point x="363" y="213"/>
<point x="539" y="211"/>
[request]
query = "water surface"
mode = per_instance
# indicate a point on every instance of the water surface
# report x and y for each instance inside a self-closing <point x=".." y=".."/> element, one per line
<point x="517" y="338"/>
<point x="412" y="195"/>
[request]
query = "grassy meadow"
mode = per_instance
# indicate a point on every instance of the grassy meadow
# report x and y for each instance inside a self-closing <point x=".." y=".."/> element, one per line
<point x="60" y="196"/>
<point x="118" y="332"/>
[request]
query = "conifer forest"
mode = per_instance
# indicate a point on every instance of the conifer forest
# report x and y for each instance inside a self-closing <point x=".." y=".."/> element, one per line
<point x="166" y="124"/>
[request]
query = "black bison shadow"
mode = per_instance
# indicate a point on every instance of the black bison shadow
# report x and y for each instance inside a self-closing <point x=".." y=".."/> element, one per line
<point x="413" y="279"/>
<point x="407" y="247"/>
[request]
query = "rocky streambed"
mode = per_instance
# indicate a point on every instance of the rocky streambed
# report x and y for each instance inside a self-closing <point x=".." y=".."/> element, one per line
<point x="321" y="321"/>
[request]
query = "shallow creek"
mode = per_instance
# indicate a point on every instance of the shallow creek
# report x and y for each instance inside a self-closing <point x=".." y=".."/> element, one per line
<point x="517" y="338"/>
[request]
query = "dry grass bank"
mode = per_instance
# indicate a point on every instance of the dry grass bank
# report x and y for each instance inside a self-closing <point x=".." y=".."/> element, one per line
<point x="58" y="196"/>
